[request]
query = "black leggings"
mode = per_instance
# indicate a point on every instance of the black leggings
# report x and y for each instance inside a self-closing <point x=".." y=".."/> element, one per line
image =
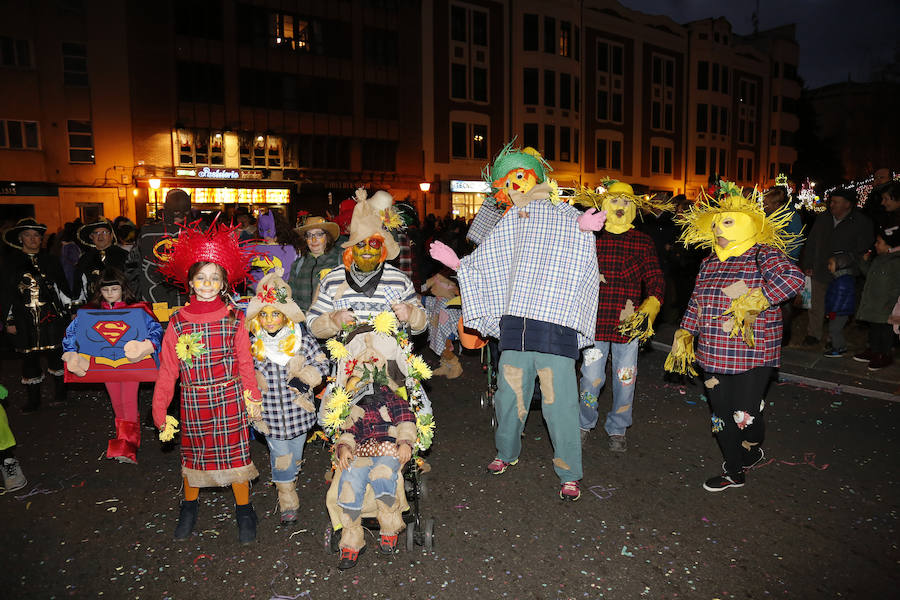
<point x="732" y="394"/>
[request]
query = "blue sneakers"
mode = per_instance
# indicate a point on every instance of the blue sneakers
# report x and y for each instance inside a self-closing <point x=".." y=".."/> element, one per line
<point x="836" y="352"/>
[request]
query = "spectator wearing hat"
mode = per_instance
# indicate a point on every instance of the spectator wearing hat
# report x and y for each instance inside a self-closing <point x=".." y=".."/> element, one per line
<point x="879" y="296"/>
<point x="102" y="253"/>
<point x="34" y="298"/>
<point x="844" y="228"/>
<point x="320" y="254"/>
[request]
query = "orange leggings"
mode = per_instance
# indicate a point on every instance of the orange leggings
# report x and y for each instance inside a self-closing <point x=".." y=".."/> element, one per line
<point x="241" y="492"/>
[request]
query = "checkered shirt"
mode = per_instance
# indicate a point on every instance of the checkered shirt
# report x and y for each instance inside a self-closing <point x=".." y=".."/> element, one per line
<point x="540" y="267"/>
<point x="214" y="433"/>
<point x="485" y="220"/>
<point x="285" y="419"/>
<point x="336" y="294"/>
<point x="406" y="260"/>
<point x="442" y="322"/>
<point x="629" y="270"/>
<point x="716" y="352"/>
<point x="372" y="426"/>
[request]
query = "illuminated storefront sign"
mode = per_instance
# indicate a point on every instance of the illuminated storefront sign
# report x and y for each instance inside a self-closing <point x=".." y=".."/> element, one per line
<point x="186" y="172"/>
<point x="469" y="187"/>
<point x="208" y="173"/>
<point x="251" y="174"/>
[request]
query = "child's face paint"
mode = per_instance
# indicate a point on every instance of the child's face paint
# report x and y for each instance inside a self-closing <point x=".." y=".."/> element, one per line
<point x="208" y="282"/>
<point x="111" y="293"/>
<point x="271" y="319"/>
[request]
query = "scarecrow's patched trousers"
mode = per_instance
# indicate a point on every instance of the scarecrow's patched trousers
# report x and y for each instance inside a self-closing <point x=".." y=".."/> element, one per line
<point x="559" y="405"/>
<point x="593" y="378"/>
<point x="737" y="413"/>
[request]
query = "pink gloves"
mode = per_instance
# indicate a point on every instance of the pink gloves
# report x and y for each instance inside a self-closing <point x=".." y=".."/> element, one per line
<point x="591" y="220"/>
<point x="445" y="255"/>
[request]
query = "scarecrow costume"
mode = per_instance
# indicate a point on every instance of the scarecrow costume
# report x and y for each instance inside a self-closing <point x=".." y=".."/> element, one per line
<point x="631" y="292"/>
<point x="376" y="413"/>
<point x="365" y="285"/>
<point x="207" y="346"/>
<point x="532" y="283"/>
<point x="733" y="316"/>
<point x="444" y="312"/>
<point x="289" y="365"/>
<point x="35" y="296"/>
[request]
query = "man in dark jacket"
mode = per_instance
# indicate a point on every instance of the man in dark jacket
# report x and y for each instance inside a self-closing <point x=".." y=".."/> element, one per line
<point x="842" y="229"/>
<point x="102" y="253"/>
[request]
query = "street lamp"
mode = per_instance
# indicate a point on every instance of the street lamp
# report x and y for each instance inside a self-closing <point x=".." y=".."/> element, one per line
<point x="154" y="185"/>
<point x="424" y="186"/>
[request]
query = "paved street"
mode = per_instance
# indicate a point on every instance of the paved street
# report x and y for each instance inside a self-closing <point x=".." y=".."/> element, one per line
<point x="817" y="520"/>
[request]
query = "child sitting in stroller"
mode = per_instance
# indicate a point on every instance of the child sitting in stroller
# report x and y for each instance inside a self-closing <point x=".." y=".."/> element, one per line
<point x="376" y="416"/>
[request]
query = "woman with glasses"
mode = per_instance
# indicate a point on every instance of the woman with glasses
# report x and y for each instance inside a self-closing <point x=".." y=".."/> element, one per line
<point x="318" y="256"/>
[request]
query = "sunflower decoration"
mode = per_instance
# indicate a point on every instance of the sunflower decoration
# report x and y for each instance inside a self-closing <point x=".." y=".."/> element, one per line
<point x="337" y="409"/>
<point x="386" y="322"/>
<point x="189" y="346"/>
<point x="336" y="349"/>
<point x="392" y="219"/>
<point x="420" y="368"/>
<point x="425" y="429"/>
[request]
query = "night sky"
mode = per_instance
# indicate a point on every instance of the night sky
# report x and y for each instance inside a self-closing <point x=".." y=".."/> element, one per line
<point x="836" y="37"/>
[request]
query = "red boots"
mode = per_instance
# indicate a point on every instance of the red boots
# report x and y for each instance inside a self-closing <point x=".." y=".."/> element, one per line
<point x="128" y="440"/>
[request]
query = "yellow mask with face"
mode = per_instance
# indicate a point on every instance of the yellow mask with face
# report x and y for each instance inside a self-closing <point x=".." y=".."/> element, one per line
<point x="620" y="210"/>
<point x="735" y="233"/>
<point x="369" y="253"/>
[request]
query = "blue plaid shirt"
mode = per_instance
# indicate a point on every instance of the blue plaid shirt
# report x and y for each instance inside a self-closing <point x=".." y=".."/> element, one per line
<point x="540" y="266"/>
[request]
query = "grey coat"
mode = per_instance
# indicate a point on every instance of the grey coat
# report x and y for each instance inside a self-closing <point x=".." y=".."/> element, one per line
<point x="854" y="235"/>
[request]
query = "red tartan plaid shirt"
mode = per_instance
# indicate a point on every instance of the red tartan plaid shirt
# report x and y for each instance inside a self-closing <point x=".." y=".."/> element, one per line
<point x="759" y="267"/>
<point x="373" y="426"/>
<point x="629" y="270"/>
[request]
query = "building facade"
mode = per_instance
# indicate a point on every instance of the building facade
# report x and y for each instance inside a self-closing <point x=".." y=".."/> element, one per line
<point x="296" y="103"/>
<point x="603" y="92"/>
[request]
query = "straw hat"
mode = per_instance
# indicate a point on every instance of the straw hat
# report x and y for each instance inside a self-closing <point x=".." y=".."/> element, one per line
<point x="11" y="235"/>
<point x="332" y="229"/>
<point x="273" y="291"/>
<point x="368" y="220"/>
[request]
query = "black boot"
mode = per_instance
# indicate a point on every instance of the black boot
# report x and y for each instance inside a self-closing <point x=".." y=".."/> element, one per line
<point x="187" y="518"/>
<point x="246" y="522"/>
<point x="33" y="404"/>
<point x="60" y="393"/>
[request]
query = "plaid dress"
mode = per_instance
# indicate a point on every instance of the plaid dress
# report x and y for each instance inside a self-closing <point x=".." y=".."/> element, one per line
<point x="215" y="446"/>
<point x="759" y="267"/>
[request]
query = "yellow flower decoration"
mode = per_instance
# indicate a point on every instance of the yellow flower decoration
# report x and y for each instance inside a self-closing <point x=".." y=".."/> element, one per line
<point x="391" y="219"/>
<point x="189" y="346"/>
<point x="337" y="408"/>
<point x="386" y="322"/>
<point x="420" y="367"/>
<point x="340" y="399"/>
<point x="554" y="191"/>
<point x="336" y="349"/>
<point x="170" y="429"/>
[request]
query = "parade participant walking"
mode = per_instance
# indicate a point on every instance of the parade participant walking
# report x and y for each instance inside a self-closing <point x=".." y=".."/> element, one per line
<point x="35" y="296"/>
<point x="289" y="365"/>
<point x="532" y="283"/>
<point x="208" y="348"/>
<point x="631" y="292"/>
<point x="734" y="317"/>
<point x="364" y="285"/>
<point x="113" y="294"/>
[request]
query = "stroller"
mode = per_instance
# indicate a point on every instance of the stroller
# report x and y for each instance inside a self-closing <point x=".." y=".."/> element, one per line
<point x="369" y="356"/>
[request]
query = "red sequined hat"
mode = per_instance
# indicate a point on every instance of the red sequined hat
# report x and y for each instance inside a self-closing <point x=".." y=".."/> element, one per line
<point x="219" y="244"/>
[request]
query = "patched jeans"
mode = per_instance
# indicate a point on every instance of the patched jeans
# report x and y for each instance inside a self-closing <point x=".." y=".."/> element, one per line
<point x="285" y="457"/>
<point x="559" y="405"/>
<point x="378" y="471"/>
<point x="593" y="377"/>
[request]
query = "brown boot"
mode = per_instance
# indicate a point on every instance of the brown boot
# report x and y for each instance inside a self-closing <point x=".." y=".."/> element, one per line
<point x="450" y="365"/>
